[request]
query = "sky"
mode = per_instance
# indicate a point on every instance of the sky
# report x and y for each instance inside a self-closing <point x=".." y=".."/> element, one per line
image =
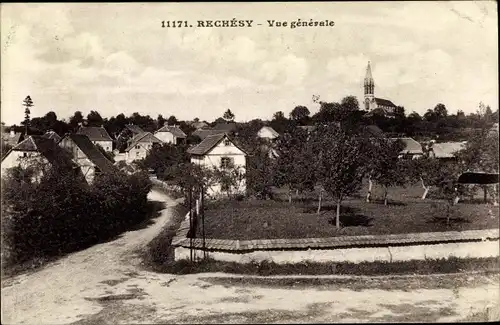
<point x="116" y="58"/>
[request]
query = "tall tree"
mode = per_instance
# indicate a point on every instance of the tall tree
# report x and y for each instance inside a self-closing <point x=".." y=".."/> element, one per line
<point x="94" y="119"/>
<point x="300" y="114"/>
<point x="339" y="163"/>
<point x="28" y="104"/>
<point x="228" y="116"/>
<point x="440" y="111"/>
<point x="160" y="121"/>
<point x="172" y="120"/>
<point x="76" y="120"/>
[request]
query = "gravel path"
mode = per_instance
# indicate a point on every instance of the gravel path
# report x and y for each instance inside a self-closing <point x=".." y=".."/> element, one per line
<point x="106" y="284"/>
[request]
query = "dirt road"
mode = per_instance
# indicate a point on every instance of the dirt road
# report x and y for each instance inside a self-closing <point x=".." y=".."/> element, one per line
<point x="105" y="284"/>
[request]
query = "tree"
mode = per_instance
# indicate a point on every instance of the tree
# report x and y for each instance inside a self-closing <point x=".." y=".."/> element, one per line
<point x="94" y="119"/>
<point x="160" y="121"/>
<point x="28" y="104"/>
<point x="172" y="120"/>
<point x="440" y="111"/>
<point x="260" y="174"/>
<point x="160" y="158"/>
<point x="339" y="163"/>
<point x="326" y="112"/>
<point x="294" y="161"/>
<point x="228" y="116"/>
<point x="279" y="122"/>
<point x="386" y="169"/>
<point x="300" y="114"/>
<point x="76" y="120"/>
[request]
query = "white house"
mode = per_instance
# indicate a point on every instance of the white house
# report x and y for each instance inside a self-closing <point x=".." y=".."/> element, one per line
<point x="90" y="159"/>
<point x="39" y="149"/>
<point x="220" y="151"/>
<point x="138" y="147"/>
<point x="267" y="132"/>
<point x="98" y="135"/>
<point x="170" y="134"/>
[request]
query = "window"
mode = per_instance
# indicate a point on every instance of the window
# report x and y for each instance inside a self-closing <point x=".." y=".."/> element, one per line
<point x="138" y="147"/>
<point x="107" y="148"/>
<point x="227" y="143"/>
<point x="226" y="162"/>
<point x="25" y="154"/>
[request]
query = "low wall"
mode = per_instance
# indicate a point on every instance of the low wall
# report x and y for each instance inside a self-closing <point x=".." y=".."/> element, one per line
<point x="353" y="249"/>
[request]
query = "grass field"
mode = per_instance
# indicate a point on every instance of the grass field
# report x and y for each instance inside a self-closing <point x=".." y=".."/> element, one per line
<point x="405" y="213"/>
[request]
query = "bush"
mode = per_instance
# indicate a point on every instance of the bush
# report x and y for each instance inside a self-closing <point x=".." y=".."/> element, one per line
<point x="61" y="214"/>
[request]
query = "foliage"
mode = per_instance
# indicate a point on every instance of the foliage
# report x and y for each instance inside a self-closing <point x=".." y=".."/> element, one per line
<point x="293" y="165"/>
<point x="161" y="157"/>
<point x="94" y="119"/>
<point x="59" y="212"/>
<point x="260" y="174"/>
<point x="385" y="167"/>
<point x="228" y="115"/>
<point x="300" y="114"/>
<point x="339" y="162"/>
<point x="28" y="104"/>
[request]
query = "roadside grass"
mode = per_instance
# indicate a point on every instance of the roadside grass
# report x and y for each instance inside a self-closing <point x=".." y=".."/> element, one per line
<point x="405" y="213"/>
<point x="266" y="268"/>
<point x="159" y="253"/>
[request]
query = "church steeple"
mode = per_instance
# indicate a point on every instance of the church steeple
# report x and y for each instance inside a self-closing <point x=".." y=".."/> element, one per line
<point x="369" y="82"/>
<point x="369" y="86"/>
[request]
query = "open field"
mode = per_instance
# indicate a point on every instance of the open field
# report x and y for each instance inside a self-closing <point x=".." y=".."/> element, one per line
<point x="405" y="213"/>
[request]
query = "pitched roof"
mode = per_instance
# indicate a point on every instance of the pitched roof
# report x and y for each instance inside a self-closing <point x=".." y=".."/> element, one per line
<point x="95" y="133"/>
<point x="270" y="129"/>
<point x="175" y="130"/>
<point x="92" y="152"/>
<point x="411" y="146"/>
<point x="142" y="137"/>
<point x="203" y="133"/>
<point x="227" y="126"/>
<point x="11" y="138"/>
<point x="134" y="128"/>
<point x="52" y="135"/>
<point x="374" y="130"/>
<point x="48" y="149"/>
<point x="384" y="102"/>
<point x="447" y="149"/>
<point x="209" y="143"/>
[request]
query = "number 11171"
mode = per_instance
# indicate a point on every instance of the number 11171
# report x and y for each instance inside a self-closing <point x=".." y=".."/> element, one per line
<point x="174" y="23"/>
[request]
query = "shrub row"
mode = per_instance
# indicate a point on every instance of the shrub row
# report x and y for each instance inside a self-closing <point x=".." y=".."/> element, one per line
<point x="61" y="214"/>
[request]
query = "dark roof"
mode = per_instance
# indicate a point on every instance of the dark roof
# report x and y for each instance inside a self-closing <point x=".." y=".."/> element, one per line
<point x="384" y="102"/>
<point x="209" y="143"/>
<point x="142" y="137"/>
<point x="175" y="130"/>
<point x="95" y="133"/>
<point x="478" y="178"/>
<point x="134" y="128"/>
<point x="228" y="126"/>
<point x="92" y="152"/>
<point x="374" y="130"/>
<point x="203" y="133"/>
<point x="53" y="136"/>
<point x="56" y="155"/>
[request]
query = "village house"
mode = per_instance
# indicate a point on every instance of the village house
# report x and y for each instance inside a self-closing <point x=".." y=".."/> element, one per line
<point x="91" y="160"/>
<point x="138" y="147"/>
<point x="412" y="149"/>
<point x="219" y="128"/>
<point x="37" y="149"/>
<point x="446" y="150"/>
<point x="268" y="133"/>
<point x="129" y="130"/>
<point x="52" y="136"/>
<point x="220" y="151"/>
<point x="98" y="135"/>
<point x="170" y="134"/>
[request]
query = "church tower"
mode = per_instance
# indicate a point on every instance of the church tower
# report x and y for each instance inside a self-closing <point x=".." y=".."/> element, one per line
<point x="369" y="86"/>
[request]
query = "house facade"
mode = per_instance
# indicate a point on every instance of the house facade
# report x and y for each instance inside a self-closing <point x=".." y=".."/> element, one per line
<point x="37" y="149"/>
<point x="219" y="151"/>
<point x="170" y="134"/>
<point x="138" y="147"/>
<point x="98" y="135"/>
<point x="86" y="155"/>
